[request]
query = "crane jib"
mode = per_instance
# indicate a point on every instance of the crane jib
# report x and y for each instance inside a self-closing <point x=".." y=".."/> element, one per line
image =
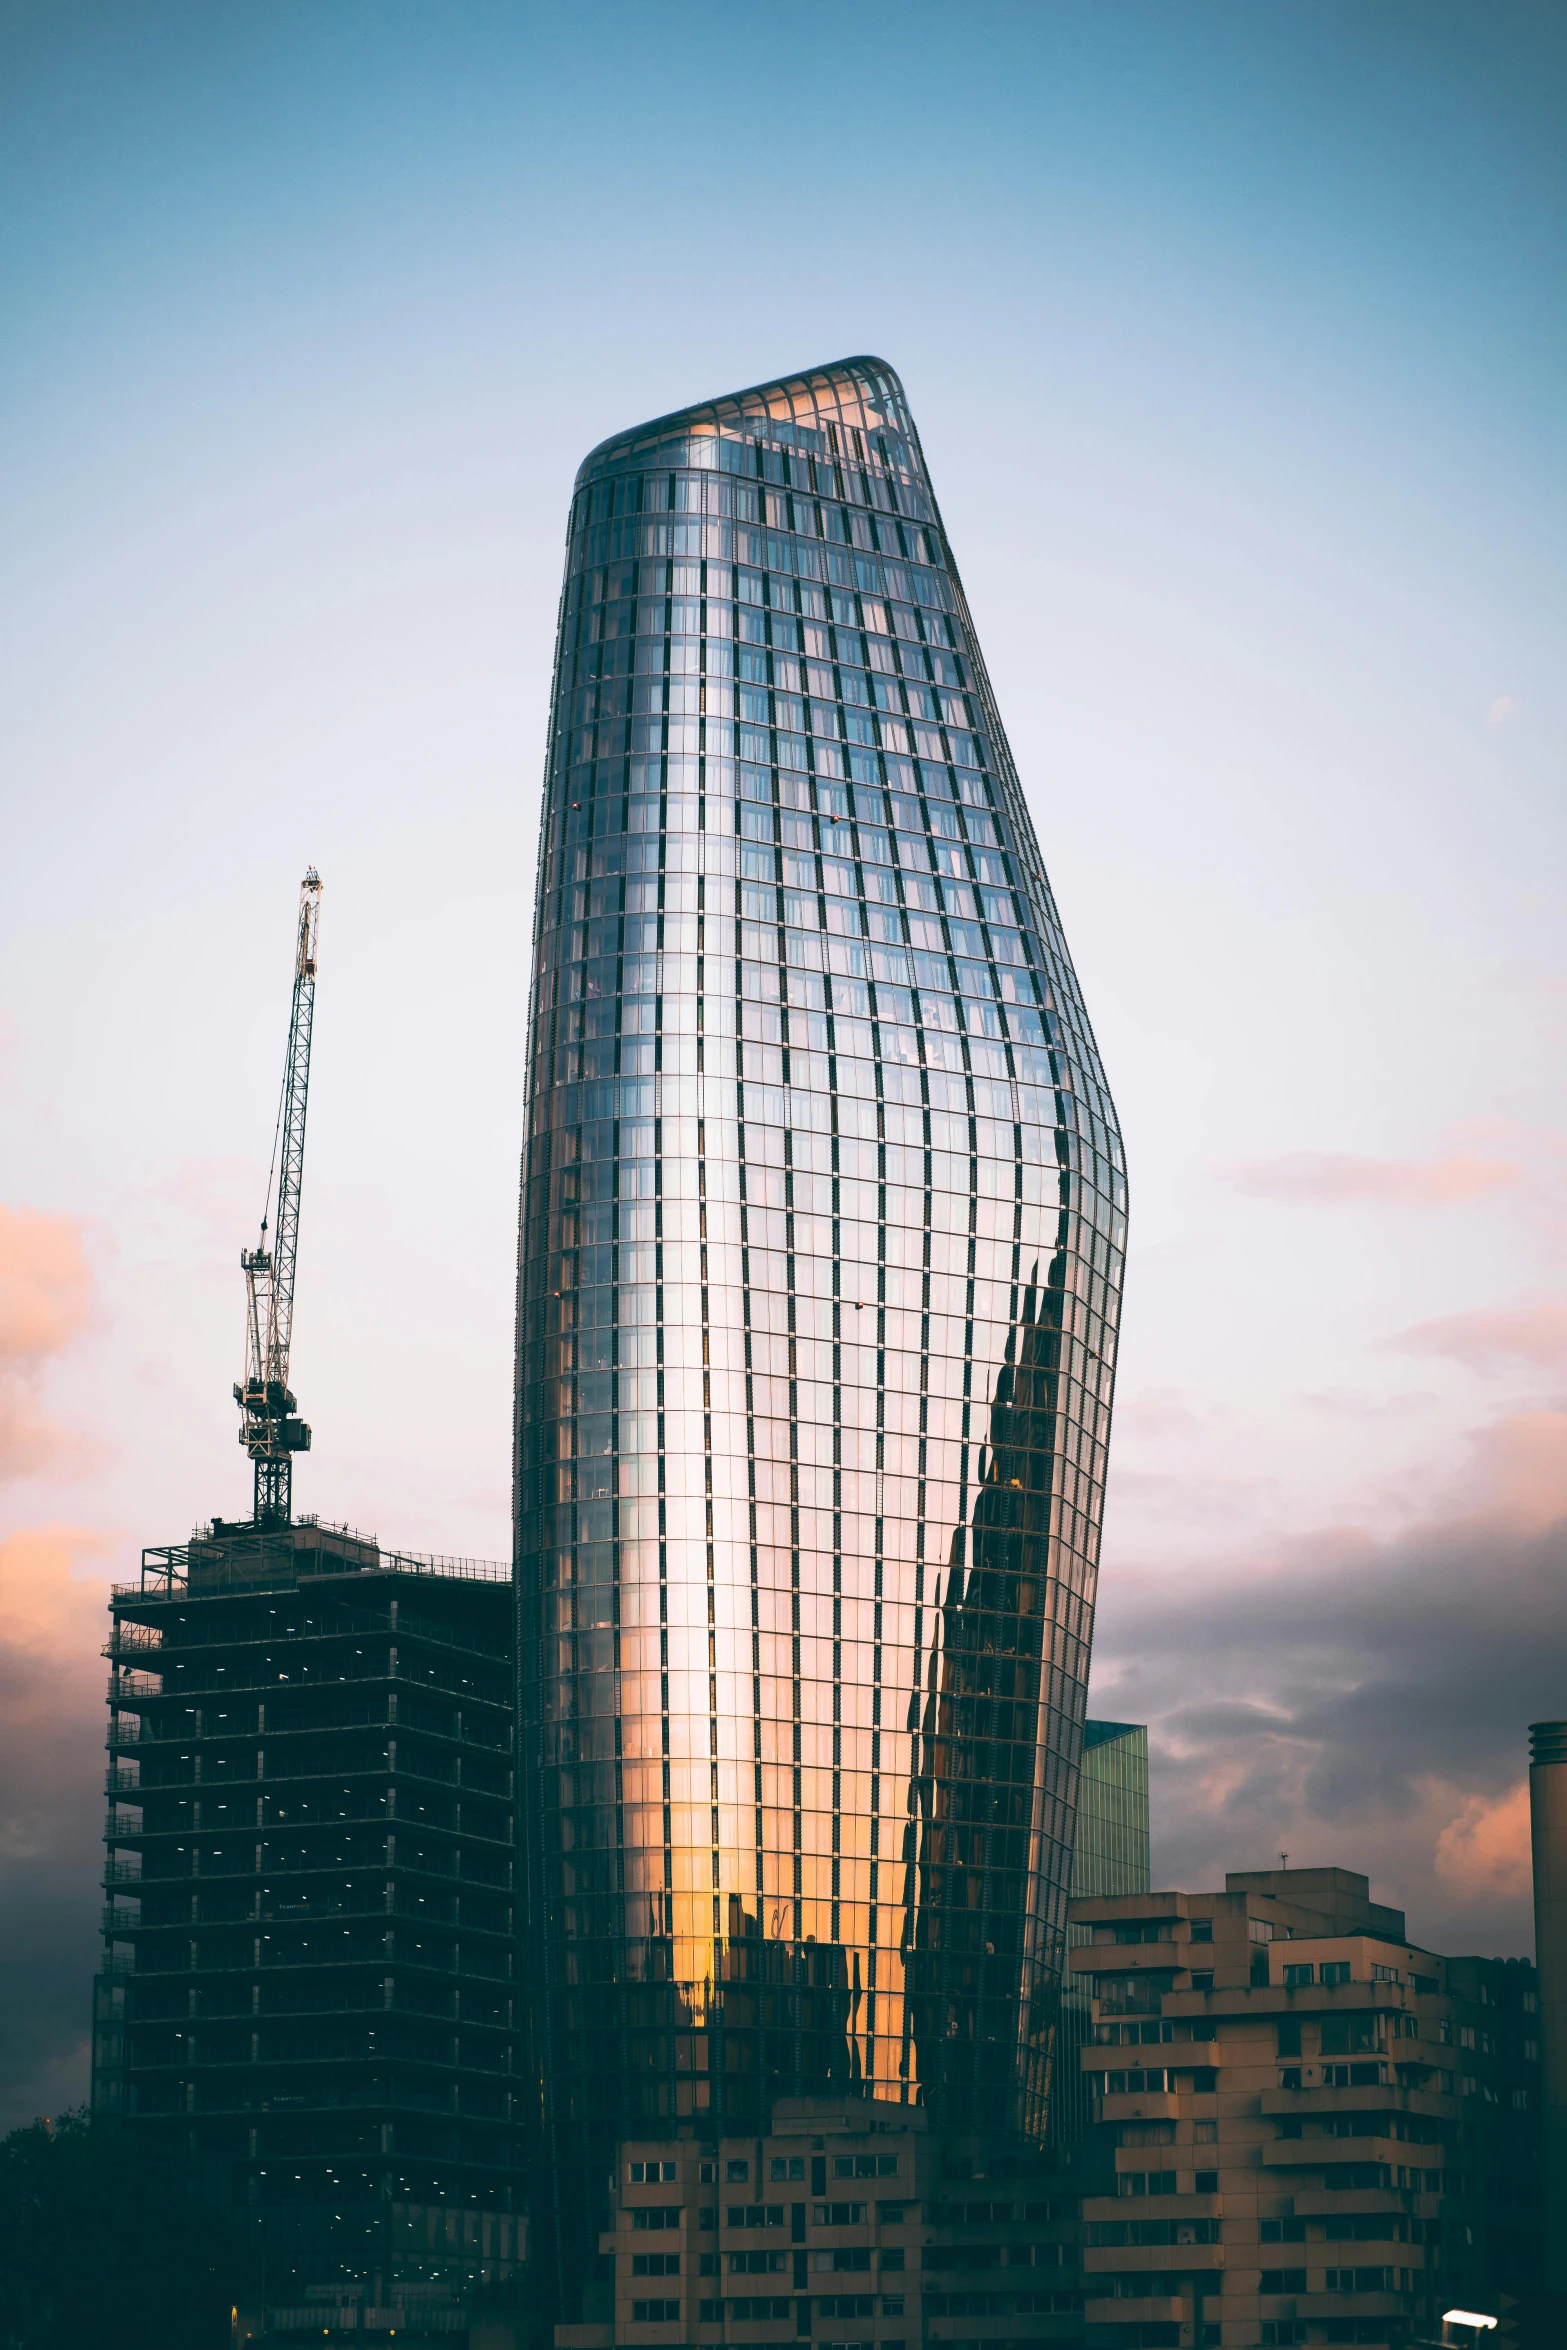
<point x="270" y="1429"/>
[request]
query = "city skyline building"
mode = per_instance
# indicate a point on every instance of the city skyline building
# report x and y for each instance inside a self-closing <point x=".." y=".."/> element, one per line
<point x="1320" y="2132"/>
<point x="820" y="1251"/>
<point x="1112" y="1853"/>
<point x="307" y="1990"/>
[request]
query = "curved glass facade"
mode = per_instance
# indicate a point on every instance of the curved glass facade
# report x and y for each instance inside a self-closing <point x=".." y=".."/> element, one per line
<point x="822" y="1228"/>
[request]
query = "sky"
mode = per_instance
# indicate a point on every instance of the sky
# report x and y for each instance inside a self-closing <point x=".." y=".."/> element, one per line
<point x="1235" y="339"/>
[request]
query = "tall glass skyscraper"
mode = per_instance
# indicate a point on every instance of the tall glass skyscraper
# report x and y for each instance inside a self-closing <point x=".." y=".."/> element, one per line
<point x="822" y="1227"/>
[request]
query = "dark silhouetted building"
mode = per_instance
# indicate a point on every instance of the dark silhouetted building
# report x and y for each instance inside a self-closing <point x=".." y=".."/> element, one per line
<point x="309" y="1987"/>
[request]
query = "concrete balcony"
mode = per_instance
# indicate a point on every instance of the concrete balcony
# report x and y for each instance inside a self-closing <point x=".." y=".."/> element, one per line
<point x="1390" y="2305"/>
<point x="1109" y="2310"/>
<point x="1144" y="2105"/>
<point x="1129" y="1958"/>
<point x="1109" y="2207"/>
<point x="1180" y="2056"/>
<point x="1326" y="2154"/>
<point x="1158" y="2259"/>
<point x="1370" y="2097"/>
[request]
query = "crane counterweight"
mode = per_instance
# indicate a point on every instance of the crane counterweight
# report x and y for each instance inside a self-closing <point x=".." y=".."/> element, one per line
<point x="270" y="1429"/>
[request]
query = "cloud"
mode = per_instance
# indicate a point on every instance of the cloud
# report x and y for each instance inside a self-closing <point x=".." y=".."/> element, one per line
<point x="1360" y="1700"/>
<point x="52" y="1624"/>
<point x="1158" y="1413"/>
<point x="1503" y="708"/>
<point x="1485" y="1848"/>
<point x="48" y="1297"/>
<point x="1532" y="1332"/>
<point x="1335" y="1178"/>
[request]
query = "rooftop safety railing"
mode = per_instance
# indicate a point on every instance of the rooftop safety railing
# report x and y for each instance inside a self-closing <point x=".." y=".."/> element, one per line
<point x="226" y="1553"/>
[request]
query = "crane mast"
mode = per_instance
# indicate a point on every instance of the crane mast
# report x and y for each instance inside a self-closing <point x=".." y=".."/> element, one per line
<point x="269" y="1430"/>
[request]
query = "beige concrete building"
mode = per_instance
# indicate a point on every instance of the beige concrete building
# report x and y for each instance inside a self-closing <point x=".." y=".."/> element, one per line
<point x="851" y="2224"/>
<point x="1321" y="2133"/>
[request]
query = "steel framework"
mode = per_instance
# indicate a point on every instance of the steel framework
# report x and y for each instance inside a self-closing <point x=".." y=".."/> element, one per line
<point x="270" y="1431"/>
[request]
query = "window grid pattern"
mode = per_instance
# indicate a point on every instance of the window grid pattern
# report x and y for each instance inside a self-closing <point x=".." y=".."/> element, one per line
<point x="820" y="1259"/>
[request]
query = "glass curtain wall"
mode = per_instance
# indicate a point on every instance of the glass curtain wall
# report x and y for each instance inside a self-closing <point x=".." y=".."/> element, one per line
<point x="822" y="1228"/>
<point x="1112" y="1855"/>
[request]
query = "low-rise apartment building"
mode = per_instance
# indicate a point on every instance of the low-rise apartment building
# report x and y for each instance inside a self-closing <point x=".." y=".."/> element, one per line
<point x="1321" y="2133"/>
<point x="851" y="2225"/>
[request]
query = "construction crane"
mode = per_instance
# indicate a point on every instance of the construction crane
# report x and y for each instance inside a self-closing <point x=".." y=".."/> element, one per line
<point x="269" y="1429"/>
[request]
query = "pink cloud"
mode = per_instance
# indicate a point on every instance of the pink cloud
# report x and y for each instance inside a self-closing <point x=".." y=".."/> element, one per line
<point x="48" y="1297"/>
<point x="1519" y="1470"/>
<point x="1484" y="1849"/>
<point x="51" y="1678"/>
<point x="1533" y="1332"/>
<point x="1335" y="1178"/>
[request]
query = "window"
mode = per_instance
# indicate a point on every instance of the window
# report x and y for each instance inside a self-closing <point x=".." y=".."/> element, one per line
<point x="737" y="2173"/>
<point x="1282" y="2231"/>
<point x="1202" y="1929"/>
<point x="1207" y="2182"/>
<point x="655" y="2264"/>
<point x="1299" y="1978"/>
<point x="652" y="2174"/>
<point x="1202" y="1982"/>
<point x="1146" y="2182"/>
<point x="1285" y="2280"/>
<point x="655" y="2313"/>
<point x="758" y="2264"/>
<point x="865" y="2166"/>
<point x="662" y="2215"/>
<point x="1205" y="2133"/>
<point x="787" y="2166"/>
<point x="709" y="2173"/>
<point x="756" y="2215"/>
<point x="1282" y="2333"/>
<point x="1348" y="2035"/>
<point x="837" y="2215"/>
<point x="1466" y="2035"/>
<point x="1111" y="2234"/>
<point x="1384" y="1974"/>
<point x="1289" y="2034"/>
<point x="1334" y="1972"/>
<point x="1258" y="1930"/>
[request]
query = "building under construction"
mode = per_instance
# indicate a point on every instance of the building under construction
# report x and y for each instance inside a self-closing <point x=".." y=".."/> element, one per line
<point x="307" y="1991"/>
<point x="309" y="1923"/>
